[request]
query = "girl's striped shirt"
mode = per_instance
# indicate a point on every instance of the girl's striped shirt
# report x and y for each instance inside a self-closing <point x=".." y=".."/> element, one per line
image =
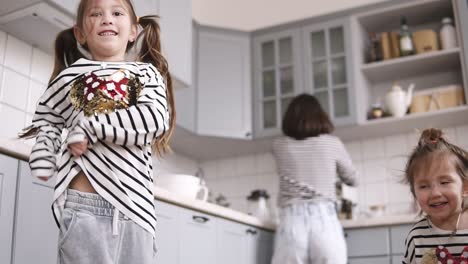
<point x="424" y="238"/>
<point x="118" y="161"/>
<point x="309" y="168"/>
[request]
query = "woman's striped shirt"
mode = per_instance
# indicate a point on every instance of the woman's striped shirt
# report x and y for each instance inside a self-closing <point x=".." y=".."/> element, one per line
<point x="118" y="161"/>
<point x="424" y="238"/>
<point x="309" y="168"/>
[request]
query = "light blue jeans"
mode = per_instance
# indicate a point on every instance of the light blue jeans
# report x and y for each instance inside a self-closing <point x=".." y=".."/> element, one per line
<point x="309" y="233"/>
<point x="86" y="235"/>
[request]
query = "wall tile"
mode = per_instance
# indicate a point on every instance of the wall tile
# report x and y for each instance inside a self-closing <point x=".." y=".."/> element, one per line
<point x="36" y="89"/>
<point x="376" y="194"/>
<point x="18" y="55"/>
<point x="413" y="138"/>
<point x="227" y="168"/>
<point x="211" y="169"/>
<point x="14" y="89"/>
<point x="450" y="134"/>
<point x="374" y="171"/>
<point x="42" y="65"/>
<point x="12" y="120"/>
<point x="396" y="145"/>
<point x="396" y="169"/>
<point x="265" y="163"/>
<point x="3" y="38"/>
<point x="373" y="148"/>
<point x="269" y="182"/>
<point x="246" y="165"/>
<point x="462" y="135"/>
<point x="354" y="149"/>
<point x="399" y="193"/>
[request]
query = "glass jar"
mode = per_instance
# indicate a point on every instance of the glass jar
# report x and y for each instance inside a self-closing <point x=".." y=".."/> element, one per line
<point x="448" y="36"/>
<point x="258" y="205"/>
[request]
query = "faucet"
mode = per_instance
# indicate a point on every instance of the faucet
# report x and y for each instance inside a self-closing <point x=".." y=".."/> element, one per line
<point x="201" y="175"/>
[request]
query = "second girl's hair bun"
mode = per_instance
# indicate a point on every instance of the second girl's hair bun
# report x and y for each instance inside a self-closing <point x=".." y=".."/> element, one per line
<point x="430" y="136"/>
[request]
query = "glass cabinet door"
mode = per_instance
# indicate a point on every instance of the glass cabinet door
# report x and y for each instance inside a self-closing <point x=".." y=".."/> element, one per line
<point x="327" y="69"/>
<point x="277" y="71"/>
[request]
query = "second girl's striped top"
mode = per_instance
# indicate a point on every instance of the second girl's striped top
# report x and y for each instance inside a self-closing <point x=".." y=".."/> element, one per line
<point x="118" y="161"/>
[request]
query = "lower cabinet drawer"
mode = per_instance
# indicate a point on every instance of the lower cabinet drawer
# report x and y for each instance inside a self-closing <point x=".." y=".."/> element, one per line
<point x="367" y="242"/>
<point x="370" y="260"/>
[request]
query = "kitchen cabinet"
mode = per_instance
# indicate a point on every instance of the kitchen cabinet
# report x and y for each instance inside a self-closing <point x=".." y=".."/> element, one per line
<point x="277" y="78"/>
<point x="69" y="5"/>
<point x="223" y="83"/>
<point x="428" y="70"/>
<point x="259" y="246"/>
<point x="232" y="238"/>
<point x="461" y="14"/>
<point x="8" y="181"/>
<point x="197" y="238"/>
<point x="176" y="39"/>
<point x="36" y="234"/>
<point x="167" y="233"/>
<point x="146" y="7"/>
<point x="238" y="243"/>
<point x="368" y="242"/>
<point x="327" y="68"/>
<point x="371" y="260"/>
<point x="385" y="244"/>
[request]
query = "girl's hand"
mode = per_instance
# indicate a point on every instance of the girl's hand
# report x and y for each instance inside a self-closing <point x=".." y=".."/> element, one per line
<point x="78" y="148"/>
<point x="43" y="178"/>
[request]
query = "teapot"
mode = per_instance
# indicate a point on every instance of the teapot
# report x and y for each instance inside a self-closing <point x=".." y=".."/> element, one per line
<point x="398" y="100"/>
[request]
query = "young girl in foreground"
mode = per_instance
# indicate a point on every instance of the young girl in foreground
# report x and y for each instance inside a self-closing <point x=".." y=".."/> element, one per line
<point x="114" y="112"/>
<point x="437" y="172"/>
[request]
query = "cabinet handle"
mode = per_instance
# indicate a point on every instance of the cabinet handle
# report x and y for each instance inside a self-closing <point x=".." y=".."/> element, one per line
<point x="200" y="219"/>
<point x="251" y="231"/>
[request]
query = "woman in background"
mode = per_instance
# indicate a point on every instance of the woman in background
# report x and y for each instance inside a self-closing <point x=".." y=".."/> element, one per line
<point x="310" y="161"/>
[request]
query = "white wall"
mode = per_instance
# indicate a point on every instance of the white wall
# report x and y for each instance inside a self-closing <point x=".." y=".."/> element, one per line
<point x="381" y="162"/>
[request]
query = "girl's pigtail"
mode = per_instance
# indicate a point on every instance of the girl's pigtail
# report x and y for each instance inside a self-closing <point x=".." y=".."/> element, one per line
<point x="150" y="52"/>
<point x="66" y="52"/>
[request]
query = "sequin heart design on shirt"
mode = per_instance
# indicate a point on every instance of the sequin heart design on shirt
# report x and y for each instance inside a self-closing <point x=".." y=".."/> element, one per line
<point x="444" y="256"/>
<point x="114" y="87"/>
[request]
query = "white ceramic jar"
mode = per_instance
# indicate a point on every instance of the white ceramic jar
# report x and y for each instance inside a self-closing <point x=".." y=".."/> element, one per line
<point x="448" y="35"/>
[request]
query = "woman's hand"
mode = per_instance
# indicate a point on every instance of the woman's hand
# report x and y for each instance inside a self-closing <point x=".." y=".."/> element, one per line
<point x="78" y="148"/>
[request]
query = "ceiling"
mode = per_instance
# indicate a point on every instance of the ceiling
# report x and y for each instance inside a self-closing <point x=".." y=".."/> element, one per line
<point x="248" y="15"/>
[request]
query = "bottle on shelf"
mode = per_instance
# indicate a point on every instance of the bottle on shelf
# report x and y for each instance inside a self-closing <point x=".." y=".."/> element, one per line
<point x="448" y="36"/>
<point x="374" y="52"/>
<point x="406" y="41"/>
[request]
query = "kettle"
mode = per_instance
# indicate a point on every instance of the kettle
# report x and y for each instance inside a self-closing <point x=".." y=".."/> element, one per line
<point x="398" y="100"/>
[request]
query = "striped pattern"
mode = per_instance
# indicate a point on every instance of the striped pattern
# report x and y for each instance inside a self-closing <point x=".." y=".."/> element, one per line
<point x="308" y="169"/>
<point x="118" y="162"/>
<point x="424" y="236"/>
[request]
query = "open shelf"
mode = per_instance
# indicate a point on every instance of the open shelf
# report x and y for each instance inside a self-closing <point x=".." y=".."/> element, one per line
<point x="419" y="64"/>
<point x="417" y="12"/>
<point x="394" y="125"/>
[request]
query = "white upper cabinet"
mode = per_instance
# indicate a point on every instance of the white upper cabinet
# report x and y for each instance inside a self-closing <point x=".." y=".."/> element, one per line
<point x="326" y="71"/>
<point x="277" y="78"/>
<point x="68" y="5"/>
<point x="176" y="38"/>
<point x="146" y="7"/>
<point x="185" y="98"/>
<point x="224" y="106"/>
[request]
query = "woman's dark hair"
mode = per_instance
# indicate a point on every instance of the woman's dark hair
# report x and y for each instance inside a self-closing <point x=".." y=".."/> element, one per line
<point x="305" y="118"/>
<point x="67" y="52"/>
<point x="432" y="144"/>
